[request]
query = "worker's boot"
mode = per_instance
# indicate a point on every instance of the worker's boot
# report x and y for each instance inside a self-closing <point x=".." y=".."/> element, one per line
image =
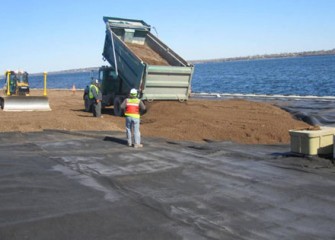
<point x="138" y="145"/>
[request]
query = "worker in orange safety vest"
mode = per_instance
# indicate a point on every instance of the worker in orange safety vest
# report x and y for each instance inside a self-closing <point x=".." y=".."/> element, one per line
<point x="132" y="107"/>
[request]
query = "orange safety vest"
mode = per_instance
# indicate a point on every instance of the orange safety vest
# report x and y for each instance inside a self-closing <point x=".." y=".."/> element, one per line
<point x="132" y="108"/>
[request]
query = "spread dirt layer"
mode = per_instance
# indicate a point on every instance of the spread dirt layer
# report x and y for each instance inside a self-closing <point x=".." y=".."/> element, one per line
<point x="195" y="120"/>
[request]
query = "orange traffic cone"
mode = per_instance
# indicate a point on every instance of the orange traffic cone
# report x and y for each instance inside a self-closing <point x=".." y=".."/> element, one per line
<point x="73" y="89"/>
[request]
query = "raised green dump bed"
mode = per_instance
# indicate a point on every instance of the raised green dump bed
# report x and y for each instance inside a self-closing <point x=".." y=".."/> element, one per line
<point x="140" y="60"/>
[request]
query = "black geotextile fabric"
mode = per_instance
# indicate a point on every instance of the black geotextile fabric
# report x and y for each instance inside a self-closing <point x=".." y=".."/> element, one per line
<point x="90" y="185"/>
<point x="318" y="111"/>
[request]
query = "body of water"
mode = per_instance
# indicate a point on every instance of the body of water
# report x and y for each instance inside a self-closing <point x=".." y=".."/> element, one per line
<point x="286" y="76"/>
<point x="303" y="76"/>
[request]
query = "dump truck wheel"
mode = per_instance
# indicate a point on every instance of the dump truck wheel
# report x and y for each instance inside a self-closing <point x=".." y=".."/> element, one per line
<point x="117" y="106"/>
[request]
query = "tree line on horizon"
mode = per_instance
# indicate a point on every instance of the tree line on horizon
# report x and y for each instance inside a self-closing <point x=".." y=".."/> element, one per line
<point x="268" y="56"/>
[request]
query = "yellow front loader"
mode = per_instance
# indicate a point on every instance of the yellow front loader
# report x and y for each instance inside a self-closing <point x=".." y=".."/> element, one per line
<point x="17" y="94"/>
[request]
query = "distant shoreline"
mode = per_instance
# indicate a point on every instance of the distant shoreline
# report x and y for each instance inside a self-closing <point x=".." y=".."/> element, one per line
<point x="268" y="56"/>
<point x="245" y="58"/>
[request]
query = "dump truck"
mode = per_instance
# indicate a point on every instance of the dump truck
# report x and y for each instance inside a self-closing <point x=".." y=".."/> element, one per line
<point x="17" y="94"/>
<point x="139" y="60"/>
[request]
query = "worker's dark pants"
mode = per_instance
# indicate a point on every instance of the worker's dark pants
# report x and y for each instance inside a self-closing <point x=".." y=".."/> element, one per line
<point x="97" y="109"/>
<point x="88" y="104"/>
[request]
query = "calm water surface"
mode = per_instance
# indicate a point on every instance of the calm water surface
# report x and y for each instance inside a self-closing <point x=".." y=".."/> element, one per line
<point x="287" y="76"/>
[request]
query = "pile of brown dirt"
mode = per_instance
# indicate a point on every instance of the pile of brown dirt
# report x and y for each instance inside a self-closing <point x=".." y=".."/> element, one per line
<point x="195" y="120"/>
<point x="233" y="120"/>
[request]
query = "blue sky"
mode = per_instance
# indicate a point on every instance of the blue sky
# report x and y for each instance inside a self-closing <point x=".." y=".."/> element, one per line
<point x="50" y="35"/>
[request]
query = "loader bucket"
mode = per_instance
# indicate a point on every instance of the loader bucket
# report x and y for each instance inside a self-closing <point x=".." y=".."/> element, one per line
<point x="26" y="103"/>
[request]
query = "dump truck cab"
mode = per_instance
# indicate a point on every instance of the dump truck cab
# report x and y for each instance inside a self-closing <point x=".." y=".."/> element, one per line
<point x="113" y="91"/>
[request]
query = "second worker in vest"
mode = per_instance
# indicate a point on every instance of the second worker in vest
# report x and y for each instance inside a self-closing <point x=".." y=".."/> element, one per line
<point x="132" y="107"/>
<point x="95" y="97"/>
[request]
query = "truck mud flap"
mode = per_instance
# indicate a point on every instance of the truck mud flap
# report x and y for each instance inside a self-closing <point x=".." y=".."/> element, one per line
<point x="25" y="103"/>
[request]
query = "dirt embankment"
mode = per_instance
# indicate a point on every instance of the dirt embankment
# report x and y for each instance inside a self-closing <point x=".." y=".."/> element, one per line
<point x="195" y="120"/>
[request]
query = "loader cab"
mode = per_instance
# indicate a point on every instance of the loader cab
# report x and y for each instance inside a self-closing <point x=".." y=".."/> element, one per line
<point x="18" y="83"/>
<point x="22" y="78"/>
<point x="22" y="83"/>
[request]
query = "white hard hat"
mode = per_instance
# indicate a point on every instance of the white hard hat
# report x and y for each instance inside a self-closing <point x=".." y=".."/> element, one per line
<point x="133" y="91"/>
